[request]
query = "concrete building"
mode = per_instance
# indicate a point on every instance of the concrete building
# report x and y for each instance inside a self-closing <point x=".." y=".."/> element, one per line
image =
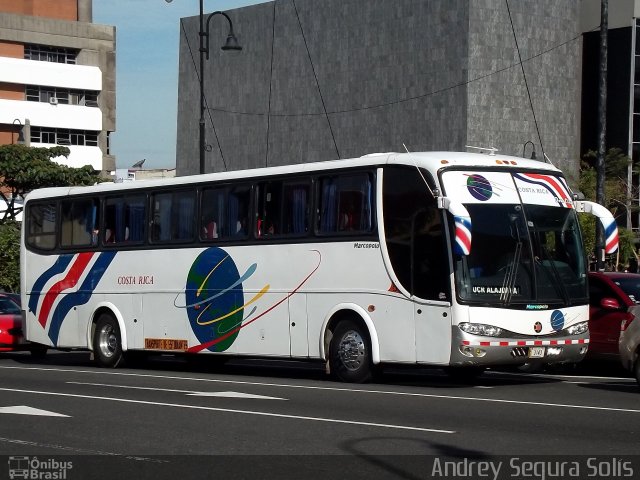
<point x="623" y="89"/>
<point x="325" y="79"/>
<point x="57" y="79"/>
<point x="121" y="175"/>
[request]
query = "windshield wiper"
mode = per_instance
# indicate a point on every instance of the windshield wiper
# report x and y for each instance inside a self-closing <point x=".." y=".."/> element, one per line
<point x="512" y="270"/>
<point x="509" y="281"/>
<point x="555" y="273"/>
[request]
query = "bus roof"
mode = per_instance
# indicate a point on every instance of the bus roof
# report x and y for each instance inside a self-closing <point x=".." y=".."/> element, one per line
<point x="431" y="161"/>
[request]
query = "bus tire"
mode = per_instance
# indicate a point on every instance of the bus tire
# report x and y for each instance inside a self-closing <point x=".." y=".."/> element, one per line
<point x="350" y="353"/>
<point x="636" y="370"/>
<point x="107" y="343"/>
<point x="38" y="352"/>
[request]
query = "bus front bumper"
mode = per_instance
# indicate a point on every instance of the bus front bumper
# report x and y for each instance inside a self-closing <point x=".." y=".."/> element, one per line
<point x="468" y="350"/>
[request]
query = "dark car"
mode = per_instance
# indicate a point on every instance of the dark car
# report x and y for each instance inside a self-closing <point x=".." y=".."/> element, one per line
<point x="614" y="301"/>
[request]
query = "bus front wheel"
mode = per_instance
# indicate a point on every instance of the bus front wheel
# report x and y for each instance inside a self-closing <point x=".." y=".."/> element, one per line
<point x="107" y="344"/>
<point x="350" y="353"/>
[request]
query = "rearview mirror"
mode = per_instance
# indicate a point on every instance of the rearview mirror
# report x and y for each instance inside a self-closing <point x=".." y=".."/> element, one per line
<point x="610" y="304"/>
<point x="462" y="220"/>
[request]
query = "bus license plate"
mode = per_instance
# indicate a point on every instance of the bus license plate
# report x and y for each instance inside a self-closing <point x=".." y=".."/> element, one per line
<point x="536" y="352"/>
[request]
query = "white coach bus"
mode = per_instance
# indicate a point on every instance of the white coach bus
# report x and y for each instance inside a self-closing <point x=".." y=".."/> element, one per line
<point x="458" y="260"/>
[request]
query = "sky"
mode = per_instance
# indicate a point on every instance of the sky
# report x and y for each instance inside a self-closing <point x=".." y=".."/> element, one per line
<point x="147" y="41"/>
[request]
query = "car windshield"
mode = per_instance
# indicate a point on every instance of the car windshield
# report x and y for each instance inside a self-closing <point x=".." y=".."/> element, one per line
<point x="629" y="285"/>
<point x="8" y="306"/>
<point x="522" y="255"/>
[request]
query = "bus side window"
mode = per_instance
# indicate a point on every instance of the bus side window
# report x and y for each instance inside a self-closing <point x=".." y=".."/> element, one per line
<point x="79" y="222"/>
<point x="269" y="209"/>
<point x="295" y="208"/>
<point x="124" y="219"/>
<point x="346" y="204"/>
<point x="224" y="213"/>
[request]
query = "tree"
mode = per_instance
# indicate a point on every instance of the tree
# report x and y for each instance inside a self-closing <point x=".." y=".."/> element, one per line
<point x="10" y="256"/>
<point x="615" y="193"/>
<point x="23" y="169"/>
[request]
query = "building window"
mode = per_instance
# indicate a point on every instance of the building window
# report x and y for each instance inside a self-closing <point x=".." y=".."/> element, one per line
<point x="84" y="98"/>
<point x="635" y="117"/>
<point x="44" y="53"/>
<point x="64" y="136"/>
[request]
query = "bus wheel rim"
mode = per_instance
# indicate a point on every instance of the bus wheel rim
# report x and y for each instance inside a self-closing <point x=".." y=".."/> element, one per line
<point x="352" y="350"/>
<point x="108" y="341"/>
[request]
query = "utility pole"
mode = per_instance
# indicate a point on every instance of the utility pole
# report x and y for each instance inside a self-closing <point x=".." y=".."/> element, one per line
<point x="602" y="128"/>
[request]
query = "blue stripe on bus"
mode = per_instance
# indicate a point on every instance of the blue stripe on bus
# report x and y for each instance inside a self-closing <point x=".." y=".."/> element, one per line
<point x="83" y="295"/>
<point x="60" y="266"/>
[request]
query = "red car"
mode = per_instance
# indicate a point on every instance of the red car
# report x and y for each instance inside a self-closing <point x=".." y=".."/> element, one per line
<point x="614" y="298"/>
<point x="10" y="324"/>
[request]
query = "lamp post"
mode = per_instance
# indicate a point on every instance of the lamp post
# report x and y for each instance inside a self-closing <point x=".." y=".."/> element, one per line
<point x="230" y="44"/>
<point x="533" y="152"/>
<point x="20" y="132"/>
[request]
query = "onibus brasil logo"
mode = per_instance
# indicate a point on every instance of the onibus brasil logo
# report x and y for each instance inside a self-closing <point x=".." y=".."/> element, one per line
<point x="33" y="468"/>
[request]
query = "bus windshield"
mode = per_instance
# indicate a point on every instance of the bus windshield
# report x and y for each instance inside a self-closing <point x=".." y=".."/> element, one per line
<point x="522" y="254"/>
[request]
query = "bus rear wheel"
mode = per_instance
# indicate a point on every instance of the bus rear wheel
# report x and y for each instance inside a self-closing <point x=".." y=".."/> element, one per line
<point x="350" y="353"/>
<point x="107" y="343"/>
<point x="38" y="352"/>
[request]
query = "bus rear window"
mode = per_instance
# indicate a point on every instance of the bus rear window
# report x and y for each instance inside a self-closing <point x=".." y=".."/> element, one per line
<point x="41" y="226"/>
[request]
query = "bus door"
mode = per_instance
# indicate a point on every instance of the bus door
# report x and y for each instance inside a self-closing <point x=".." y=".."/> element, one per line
<point x="430" y="287"/>
<point x="418" y="257"/>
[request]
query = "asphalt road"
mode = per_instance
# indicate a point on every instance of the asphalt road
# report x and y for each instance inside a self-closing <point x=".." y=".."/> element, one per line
<point x="279" y="414"/>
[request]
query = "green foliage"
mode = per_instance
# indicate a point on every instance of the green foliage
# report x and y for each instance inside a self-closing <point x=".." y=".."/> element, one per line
<point x="23" y="169"/>
<point x="10" y="256"/>
<point x="615" y="192"/>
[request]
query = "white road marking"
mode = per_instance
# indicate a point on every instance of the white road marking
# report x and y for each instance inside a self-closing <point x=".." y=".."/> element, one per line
<point x="25" y="410"/>
<point x="233" y="395"/>
<point x="550" y="375"/>
<point x="188" y="392"/>
<point x="230" y="410"/>
<point x="335" y="389"/>
<point x="83" y="451"/>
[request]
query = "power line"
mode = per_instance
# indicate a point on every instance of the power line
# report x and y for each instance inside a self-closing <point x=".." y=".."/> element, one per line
<point x="524" y="75"/>
<point x="324" y="107"/>
<point x="205" y="97"/>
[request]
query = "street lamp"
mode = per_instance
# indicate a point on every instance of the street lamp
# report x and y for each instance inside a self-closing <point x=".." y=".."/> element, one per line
<point x="533" y="152"/>
<point x="230" y="44"/>
<point x="20" y="132"/>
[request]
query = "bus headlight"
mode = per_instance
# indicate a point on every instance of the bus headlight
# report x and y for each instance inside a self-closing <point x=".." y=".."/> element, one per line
<point x="480" y="329"/>
<point x="578" y="328"/>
